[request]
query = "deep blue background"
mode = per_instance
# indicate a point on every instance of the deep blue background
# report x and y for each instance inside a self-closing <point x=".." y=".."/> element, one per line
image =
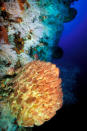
<point x="74" y="37"/>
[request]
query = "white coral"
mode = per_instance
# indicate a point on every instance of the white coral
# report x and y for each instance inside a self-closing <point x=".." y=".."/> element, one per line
<point x="7" y="54"/>
<point x="24" y="59"/>
<point x="31" y="30"/>
<point x="42" y="22"/>
<point x="30" y="21"/>
<point x="11" y="6"/>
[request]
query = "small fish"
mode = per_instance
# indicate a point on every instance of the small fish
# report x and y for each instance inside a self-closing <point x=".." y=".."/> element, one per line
<point x="36" y="56"/>
<point x="2" y="5"/>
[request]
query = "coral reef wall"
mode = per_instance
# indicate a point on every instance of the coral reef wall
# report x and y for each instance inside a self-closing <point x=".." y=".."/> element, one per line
<point x="29" y="31"/>
<point x="32" y="28"/>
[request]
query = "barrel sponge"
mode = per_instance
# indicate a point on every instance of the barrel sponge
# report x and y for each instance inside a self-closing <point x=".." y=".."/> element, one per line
<point x="37" y="93"/>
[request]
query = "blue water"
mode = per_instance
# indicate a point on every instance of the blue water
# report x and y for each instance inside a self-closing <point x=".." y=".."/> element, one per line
<point x="74" y="37"/>
<point x="81" y="6"/>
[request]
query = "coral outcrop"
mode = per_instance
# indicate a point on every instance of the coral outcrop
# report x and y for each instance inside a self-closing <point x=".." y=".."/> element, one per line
<point x="37" y="94"/>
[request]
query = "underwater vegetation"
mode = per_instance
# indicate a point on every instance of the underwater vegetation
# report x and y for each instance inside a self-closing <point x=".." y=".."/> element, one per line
<point x="30" y="85"/>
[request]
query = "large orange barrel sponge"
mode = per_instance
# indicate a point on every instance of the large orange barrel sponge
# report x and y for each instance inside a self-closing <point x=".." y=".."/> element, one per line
<point x="37" y="93"/>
